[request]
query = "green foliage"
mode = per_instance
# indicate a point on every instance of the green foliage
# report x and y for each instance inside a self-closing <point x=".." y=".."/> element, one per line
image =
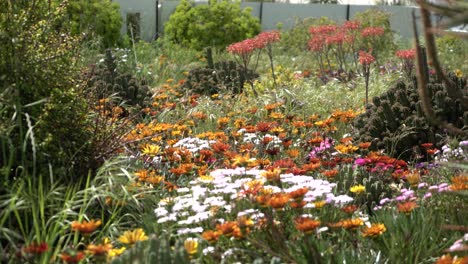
<point x="395" y="121"/>
<point x="224" y="76"/>
<point x="453" y="52"/>
<point x="155" y="250"/>
<point x="97" y="18"/>
<point x="217" y="24"/>
<point x="39" y="94"/>
<point x="411" y="238"/>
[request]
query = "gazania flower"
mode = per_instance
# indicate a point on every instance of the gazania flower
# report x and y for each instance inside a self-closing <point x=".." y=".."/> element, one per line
<point x="349" y="209"/>
<point x="279" y="200"/>
<point x="100" y="249"/>
<point x="299" y="193"/>
<point x="228" y="229"/>
<point x="459" y="183"/>
<point x="448" y="259"/>
<point x="374" y="230"/>
<point x="413" y="177"/>
<point x="36" y="248"/>
<point x="211" y="236"/>
<point x="352" y="223"/>
<point x="406" y="207"/>
<point x="306" y="224"/>
<point x="357" y="189"/>
<point x="319" y="204"/>
<point x="131" y="237"/>
<point x="364" y="145"/>
<point x="72" y="256"/>
<point x="191" y="246"/>
<point x="116" y="252"/>
<point x="150" y="150"/>
<point x="85" y="227"/>
<point x="330" y="173"/>
<point x="272" y="175"/>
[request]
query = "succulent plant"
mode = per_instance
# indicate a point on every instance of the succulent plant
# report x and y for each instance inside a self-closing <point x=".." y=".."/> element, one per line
<point x="153" y="251"/>
<point x="396" y="122"/>
<point x="224" y="76"/>
<point x="106" y="80"/>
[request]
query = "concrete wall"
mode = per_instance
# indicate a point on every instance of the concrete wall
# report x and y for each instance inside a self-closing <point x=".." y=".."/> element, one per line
<point x="272" y="14"/>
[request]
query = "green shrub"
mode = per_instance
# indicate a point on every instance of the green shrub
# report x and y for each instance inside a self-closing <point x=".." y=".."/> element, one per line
<point x="38" y="72"/>
<point x="217" y="24"/>
<point x="97" y="18"/>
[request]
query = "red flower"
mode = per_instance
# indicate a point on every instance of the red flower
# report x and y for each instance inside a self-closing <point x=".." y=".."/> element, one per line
<point x="406" y="54"/>
<point x="365" y="58"/>
<point x="35" y="248"/>
<point x="351" y="25"/>
<point x="372" y="31"/>
<point x="267" y="37"/>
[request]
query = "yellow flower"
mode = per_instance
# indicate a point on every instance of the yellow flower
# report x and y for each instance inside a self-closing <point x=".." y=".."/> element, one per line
<point x="116" y="252"/>
<point x="150" y="150"/>
<point x="131" y="237"/>
<point x="458" y="73"/>
<point x="319" y="204"/>
<point x="191" y="246"/>
<point x="357" y="189"/>
<point x="374" y="230"/>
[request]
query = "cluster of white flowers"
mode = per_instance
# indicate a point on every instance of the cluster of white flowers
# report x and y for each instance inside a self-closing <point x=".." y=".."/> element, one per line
<point x="193" y="144"/>
<point x="448" y="153"/>
<point x="205" y="198"/>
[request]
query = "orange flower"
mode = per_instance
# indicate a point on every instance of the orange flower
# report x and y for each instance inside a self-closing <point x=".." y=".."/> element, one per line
<point x="278" y="200"/>
<point x="85" y="227"/>
<point x="311" y="166"/>
<point x="365" y="145"/>
<point x="406" y="207"/>
<point x="350" y="209"/>
<point x="374" y="230"/>
<point x="211" y="236"/>
<point x="330" y="173"/>
<point x="293" y="153"/>
<point x="298" y="204"/>
<point x="299" y="193"/>
<point x="220" y="147"/>
<point x="352" y="223"/>
<point x="448" y="259"/>
<point x="306" y="224"/>
<point x="228" y="229"/>
<point x="459" y="183"/>
<point x="272" y="174"/>
<point x="100" y="249"/>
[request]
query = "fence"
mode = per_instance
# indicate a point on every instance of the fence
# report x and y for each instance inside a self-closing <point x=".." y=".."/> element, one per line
<point x="153" y="14"/>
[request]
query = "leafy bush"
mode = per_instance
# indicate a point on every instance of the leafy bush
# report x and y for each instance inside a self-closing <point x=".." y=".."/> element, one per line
<point x="39" y="92"/>
<point x="96" y="17"/>
<point x="217" y="24"/>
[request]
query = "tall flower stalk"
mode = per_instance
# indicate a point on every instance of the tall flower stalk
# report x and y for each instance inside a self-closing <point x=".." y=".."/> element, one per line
<point x="266" y="40"/>
<point x="365" y="59"/>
